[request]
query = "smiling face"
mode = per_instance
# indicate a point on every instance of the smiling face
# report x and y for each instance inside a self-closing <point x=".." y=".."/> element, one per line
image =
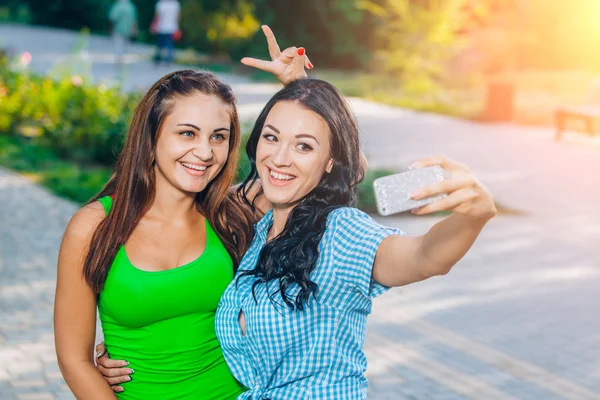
<point x="193" y="142"/>
<point x="292" y="154"/>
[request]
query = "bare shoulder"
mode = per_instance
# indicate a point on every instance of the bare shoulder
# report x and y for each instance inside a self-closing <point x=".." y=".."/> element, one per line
<point x="76" y="241"/>
<point x="85" y="221"/>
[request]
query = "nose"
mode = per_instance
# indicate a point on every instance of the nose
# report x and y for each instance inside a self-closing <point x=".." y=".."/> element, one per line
<point x="203" y="151"/>
<point x="281" y="157"/>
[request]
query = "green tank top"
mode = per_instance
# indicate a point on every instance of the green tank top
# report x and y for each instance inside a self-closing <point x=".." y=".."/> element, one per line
<point x="163" y="324"/>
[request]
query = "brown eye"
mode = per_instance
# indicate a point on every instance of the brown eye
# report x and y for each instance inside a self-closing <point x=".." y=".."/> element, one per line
<point x="304" y="147"/>
<point x="269" y="138"/>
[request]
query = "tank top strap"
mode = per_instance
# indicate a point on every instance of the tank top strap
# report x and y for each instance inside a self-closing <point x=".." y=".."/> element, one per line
<point x="107" y="202"/>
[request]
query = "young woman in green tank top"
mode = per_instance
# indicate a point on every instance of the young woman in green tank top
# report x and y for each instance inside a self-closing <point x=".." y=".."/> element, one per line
<point x="156" y="248"/>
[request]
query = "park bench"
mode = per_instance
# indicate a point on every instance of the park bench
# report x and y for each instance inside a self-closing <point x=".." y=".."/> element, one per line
<point x="588" y="113"/>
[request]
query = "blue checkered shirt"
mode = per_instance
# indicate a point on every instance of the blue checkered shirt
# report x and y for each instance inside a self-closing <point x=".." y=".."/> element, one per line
<point x="316" y="353"/>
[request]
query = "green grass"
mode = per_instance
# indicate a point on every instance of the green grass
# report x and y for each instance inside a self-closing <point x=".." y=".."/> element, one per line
<point x="65" y="178"/>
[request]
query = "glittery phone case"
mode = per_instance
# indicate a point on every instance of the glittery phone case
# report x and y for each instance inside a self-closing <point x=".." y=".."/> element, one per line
<point x="392" y="192"/>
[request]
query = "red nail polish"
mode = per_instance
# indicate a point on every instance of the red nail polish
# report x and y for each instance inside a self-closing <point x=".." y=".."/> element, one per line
<point x="310" y="66"/>
<point x="301" y="51"/>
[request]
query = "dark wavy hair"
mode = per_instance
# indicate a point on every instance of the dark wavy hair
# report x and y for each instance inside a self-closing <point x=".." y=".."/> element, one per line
<point x="290" y="257"/>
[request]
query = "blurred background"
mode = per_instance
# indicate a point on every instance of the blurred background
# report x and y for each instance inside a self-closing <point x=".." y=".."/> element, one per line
<point x="510" y="87"/>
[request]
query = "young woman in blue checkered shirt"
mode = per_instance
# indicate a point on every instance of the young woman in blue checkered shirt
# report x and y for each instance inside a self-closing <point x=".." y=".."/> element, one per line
<point x="292" y="323"/>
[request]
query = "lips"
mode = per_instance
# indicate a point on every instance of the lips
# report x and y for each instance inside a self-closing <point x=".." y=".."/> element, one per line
<point x="195" y="169"/>
<point x="278" y="178"/>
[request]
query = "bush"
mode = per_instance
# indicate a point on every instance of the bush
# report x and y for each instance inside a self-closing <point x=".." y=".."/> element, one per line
<point x="65" y="178"/>
<point x="74" y="118"/>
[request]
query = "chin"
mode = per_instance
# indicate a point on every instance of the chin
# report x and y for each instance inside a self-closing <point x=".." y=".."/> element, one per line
<point x="280" y="199"/>
<point x="193" y="187"/>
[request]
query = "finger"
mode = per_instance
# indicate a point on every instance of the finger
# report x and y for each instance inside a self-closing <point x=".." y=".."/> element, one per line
<point x="448" y="203"/>
<point x="259" y="64"/>
<point x="290" y="52"/>
<point x="118" y="380"/>
<point x="271" y="42"/>
<point x="446" y="186"/>
<point x="440" y="160"/>
<point x="307" y="62"/>
<point x="117" y="389"/>
<point x="100" y="350"/>
<point x="106" y="362"/>
<point x="299" y="61"/>
<point x="114" y="372"/>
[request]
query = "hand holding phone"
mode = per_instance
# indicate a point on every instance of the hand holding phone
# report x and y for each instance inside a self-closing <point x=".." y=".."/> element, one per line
<point x="392" y="193"/>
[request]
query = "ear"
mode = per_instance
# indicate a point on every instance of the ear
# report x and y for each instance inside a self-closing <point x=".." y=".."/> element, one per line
<point x="329" y="166"/>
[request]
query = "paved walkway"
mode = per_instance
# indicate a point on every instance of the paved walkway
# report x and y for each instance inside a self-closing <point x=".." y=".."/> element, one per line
<point x="516" y="319"/>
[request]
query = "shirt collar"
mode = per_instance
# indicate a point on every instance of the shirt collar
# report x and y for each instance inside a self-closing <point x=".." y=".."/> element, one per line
<point x="262" y="226"/>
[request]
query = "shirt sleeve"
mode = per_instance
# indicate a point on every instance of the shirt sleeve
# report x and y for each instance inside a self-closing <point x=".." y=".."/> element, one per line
<point x="355" y="240"/>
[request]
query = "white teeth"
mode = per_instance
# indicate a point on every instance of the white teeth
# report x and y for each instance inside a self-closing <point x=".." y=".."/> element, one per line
<point x="192" y="166"/>
<point x="281" y="177"/>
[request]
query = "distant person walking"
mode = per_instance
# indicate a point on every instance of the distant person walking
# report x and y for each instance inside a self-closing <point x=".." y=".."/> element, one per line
<point x="123" y="18"/>
<point x="165" y="25"/>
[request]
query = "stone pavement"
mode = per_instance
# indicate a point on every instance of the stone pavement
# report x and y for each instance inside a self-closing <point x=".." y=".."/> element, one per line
<point x="516" y="319"/>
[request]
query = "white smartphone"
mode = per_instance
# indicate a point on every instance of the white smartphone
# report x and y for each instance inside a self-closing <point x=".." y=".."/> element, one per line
<point x="392" y="192"/>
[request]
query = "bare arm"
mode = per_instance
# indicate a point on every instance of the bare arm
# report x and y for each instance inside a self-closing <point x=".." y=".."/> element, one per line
<point x="75" y="310"/>
<point x="401" y="260"/>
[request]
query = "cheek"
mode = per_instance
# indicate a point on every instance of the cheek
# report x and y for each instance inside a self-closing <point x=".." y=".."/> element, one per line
<point x="221" y="151"/>
<point x="169" y="147"/>
<point x="261" y="152"/>
<point x="221" y="154"/>
<point x="162" y="150"/>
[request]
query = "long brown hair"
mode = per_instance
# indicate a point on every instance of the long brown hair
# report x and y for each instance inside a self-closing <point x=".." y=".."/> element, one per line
<point x="133" y="183"/>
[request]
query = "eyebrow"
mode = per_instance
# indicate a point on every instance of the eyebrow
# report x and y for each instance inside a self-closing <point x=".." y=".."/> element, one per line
<point x="302" y="135"/>
<point x="305" y="135"/>
<point x="198" y="129"/>
<point x="272" y="127"/>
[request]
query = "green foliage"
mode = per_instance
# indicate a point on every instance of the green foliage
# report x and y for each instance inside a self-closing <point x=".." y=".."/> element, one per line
<point x="223" y="27"/>
<point x="71" y="14"/>
<point x="336" y="33"/>
<point x="72" y="117"/>
<point x="415" y="39"/>
<point x="243" y="168"/>
<point x="65" y="178"/>
<point x="14" y="11"/>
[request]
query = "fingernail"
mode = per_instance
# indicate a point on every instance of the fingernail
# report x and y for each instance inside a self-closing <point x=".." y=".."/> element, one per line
<point x="301" y="51"/>
<point x="99" y="354"/>
<point x="131" y="371"/>
<point x="310" y="66"/>
<point x="416" y="194"/>
<point x="412" y="166"/>
<point x="120" y="389"/>
<point x="129" y="378"/>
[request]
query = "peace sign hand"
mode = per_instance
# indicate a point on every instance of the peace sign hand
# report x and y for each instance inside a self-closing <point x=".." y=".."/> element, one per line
<point x="287" y="65"/>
